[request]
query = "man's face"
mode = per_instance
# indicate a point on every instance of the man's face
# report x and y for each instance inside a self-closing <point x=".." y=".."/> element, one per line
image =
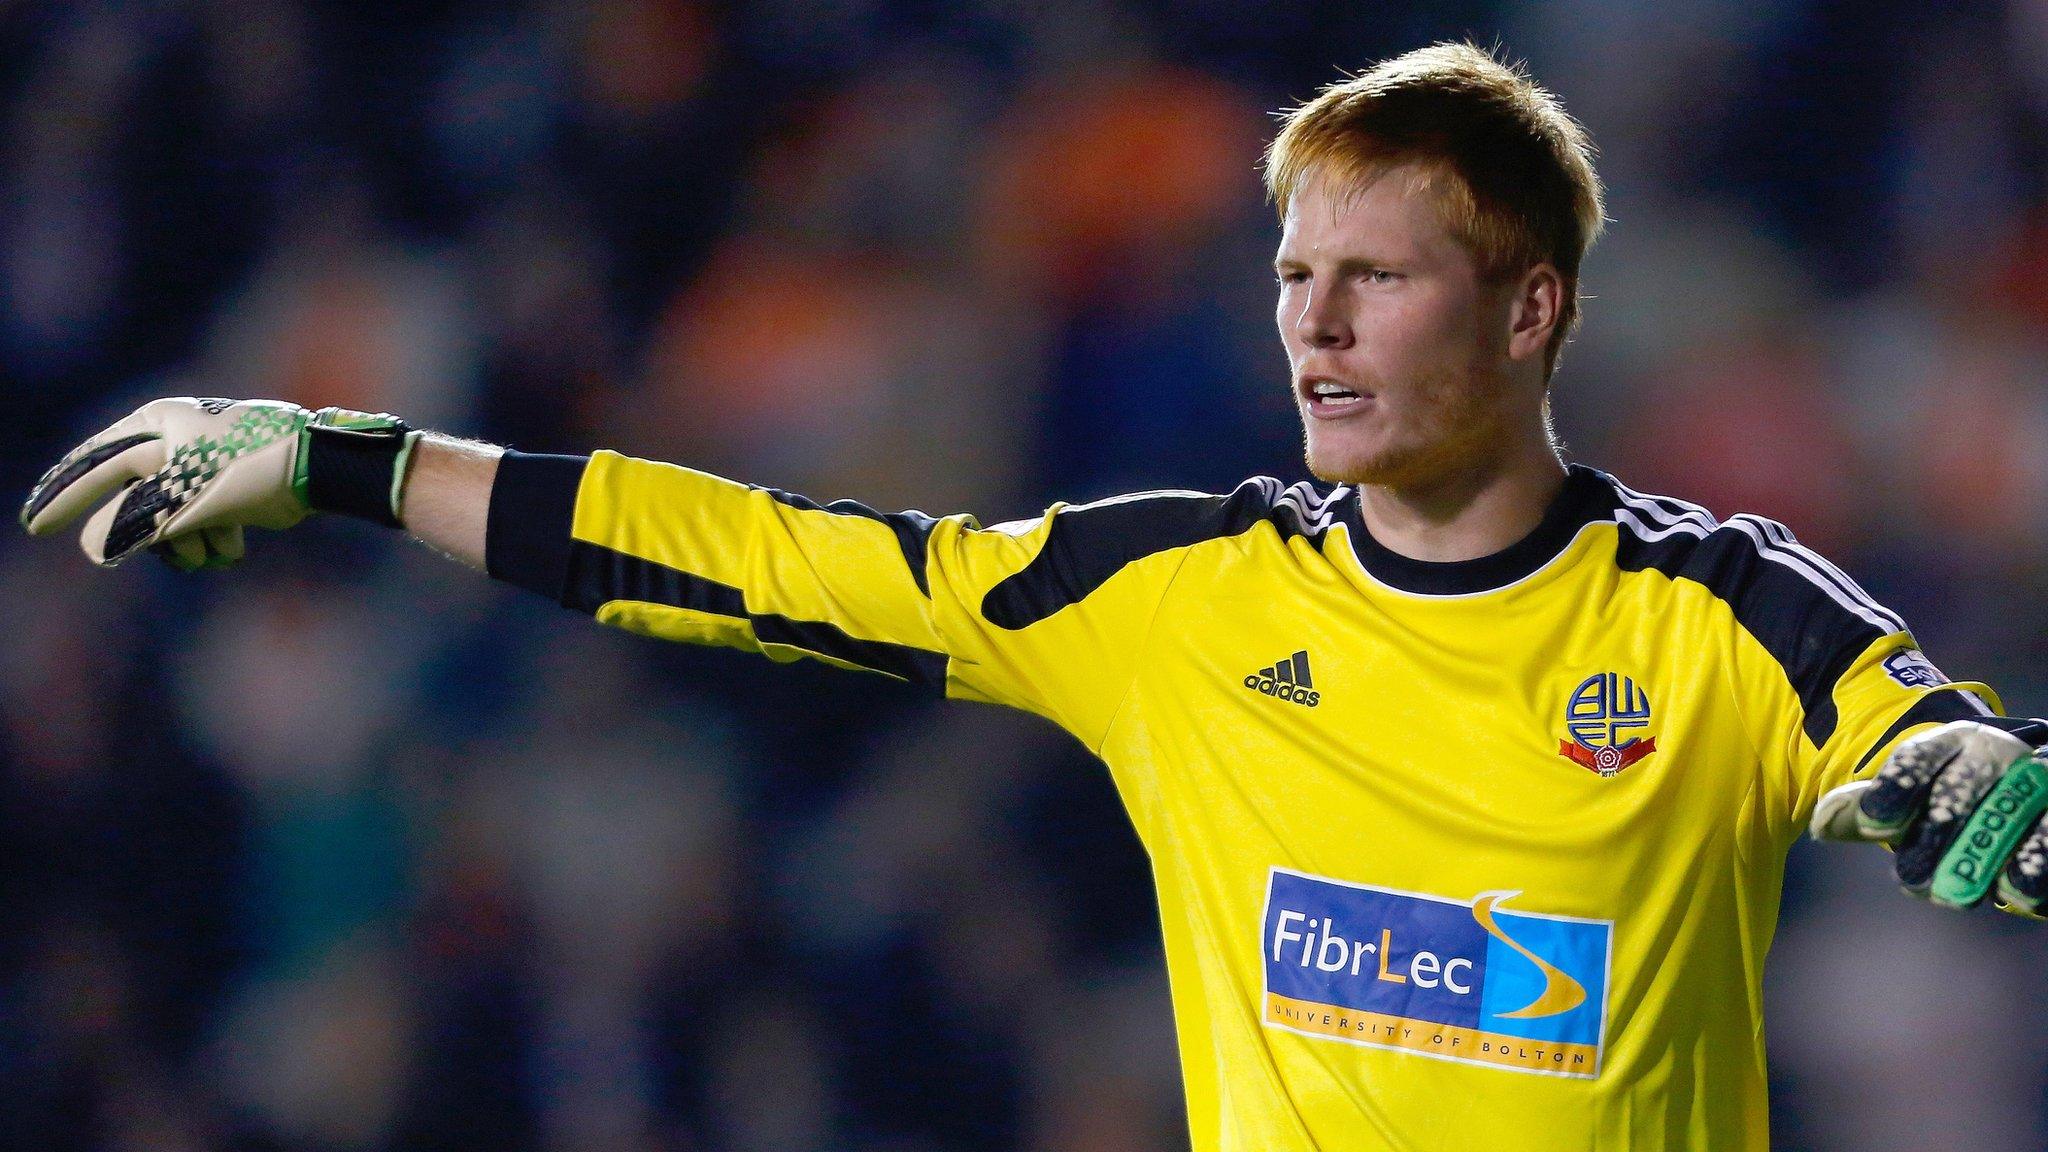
<point x="1380" y="300"/>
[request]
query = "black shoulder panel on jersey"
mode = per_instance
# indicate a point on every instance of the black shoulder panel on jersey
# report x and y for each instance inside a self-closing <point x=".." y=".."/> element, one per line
<point x="1090" y="543"/>
<point x="1812" y="636"/>
<point x="913" y="529"/>
<point x="598" y="575"/>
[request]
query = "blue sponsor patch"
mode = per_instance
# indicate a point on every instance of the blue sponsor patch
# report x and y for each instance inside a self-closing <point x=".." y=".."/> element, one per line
<point x="1462" y="980"/>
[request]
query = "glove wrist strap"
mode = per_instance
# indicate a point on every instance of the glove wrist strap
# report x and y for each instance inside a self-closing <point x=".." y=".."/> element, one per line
<point x="354" y="463"/>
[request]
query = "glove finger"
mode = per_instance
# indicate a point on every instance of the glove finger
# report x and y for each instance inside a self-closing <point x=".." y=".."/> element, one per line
<point x="1900" y="790"/>
<point x="2023" y="886"/>
<point x="93" y="537"/>
<point x="89" y="472"/>
<point x="186" y="553"/>
<point x="224" y="545"/>
<point x="130" y="521"/>
<point x="1836" y="816"/>
<point x="1954" y="795"/>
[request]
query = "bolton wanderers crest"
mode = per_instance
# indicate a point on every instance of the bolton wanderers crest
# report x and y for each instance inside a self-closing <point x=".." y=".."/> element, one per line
<point x="1605" y="717"/>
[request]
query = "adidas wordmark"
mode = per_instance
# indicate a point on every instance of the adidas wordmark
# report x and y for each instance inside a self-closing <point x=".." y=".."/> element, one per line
<point x="1288" y="679"/>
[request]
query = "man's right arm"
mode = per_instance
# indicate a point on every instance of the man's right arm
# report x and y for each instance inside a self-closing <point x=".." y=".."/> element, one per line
<point x="1048" y="614"/>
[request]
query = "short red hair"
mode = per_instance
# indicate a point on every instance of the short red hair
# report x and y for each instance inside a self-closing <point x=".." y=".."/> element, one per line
<point x="1520" y="187"/>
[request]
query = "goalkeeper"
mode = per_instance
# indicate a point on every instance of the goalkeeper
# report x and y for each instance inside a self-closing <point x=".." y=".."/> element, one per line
<point x="1467" y="775"/>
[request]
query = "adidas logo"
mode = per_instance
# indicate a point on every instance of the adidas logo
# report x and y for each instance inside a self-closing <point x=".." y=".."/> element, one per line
<point x="1287" y="679"/>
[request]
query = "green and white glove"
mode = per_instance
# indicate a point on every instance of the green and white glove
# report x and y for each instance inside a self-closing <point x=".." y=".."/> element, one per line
<point x="1962" y="808"/>
<point x="192" y="473"/>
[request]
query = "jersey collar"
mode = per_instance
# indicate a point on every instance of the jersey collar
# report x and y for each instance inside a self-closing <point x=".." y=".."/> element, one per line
<point x="1584" y="499"/>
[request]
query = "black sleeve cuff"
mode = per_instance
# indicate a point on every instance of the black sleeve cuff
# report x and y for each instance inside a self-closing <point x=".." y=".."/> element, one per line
<point x="533" y="505"/>
<point x="2032" y="729"/>
<point x="1944" y="705"/>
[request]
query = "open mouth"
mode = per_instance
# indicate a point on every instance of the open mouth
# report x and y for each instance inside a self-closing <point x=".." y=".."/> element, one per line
<point x="1326" y="396"/>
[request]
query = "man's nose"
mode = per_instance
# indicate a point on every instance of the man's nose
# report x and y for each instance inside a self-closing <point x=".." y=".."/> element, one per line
<point x="1322" y="324"/>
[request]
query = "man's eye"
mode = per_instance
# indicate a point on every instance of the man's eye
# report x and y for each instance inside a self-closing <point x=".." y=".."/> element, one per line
<point x="1292" y="277"/>
<point x="1382" y="276"/>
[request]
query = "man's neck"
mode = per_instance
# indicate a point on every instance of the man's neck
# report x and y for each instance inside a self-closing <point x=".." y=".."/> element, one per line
<point x="1465" y="515"/>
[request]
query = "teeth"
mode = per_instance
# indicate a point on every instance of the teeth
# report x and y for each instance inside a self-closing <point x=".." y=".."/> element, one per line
<point x="1330" y="391"/>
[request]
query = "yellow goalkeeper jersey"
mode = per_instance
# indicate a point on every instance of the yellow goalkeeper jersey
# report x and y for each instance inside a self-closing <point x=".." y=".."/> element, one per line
<point x="1462" y="855"/>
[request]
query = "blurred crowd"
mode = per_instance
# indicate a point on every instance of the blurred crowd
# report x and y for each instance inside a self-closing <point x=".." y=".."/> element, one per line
<point x="349" y="849"/>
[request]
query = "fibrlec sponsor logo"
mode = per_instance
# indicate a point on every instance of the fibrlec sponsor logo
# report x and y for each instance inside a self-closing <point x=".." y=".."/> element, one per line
<point x="1466" y="980"/>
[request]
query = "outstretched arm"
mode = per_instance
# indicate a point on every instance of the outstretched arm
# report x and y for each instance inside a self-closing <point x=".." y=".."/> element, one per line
<point x="1048" y="614"/>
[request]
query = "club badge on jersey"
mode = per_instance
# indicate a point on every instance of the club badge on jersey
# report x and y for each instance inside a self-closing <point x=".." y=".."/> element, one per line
<point x="1605" y="718"/>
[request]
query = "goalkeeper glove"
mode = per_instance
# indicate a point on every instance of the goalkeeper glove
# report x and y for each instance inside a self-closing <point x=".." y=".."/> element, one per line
<point x="192" y="473"/>
<point x="1961" y="806"/>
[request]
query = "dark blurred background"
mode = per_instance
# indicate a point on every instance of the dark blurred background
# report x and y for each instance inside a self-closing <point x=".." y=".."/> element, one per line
<point x="349" y="849"/>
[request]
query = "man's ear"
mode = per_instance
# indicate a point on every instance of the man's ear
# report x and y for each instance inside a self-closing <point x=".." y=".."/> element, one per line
<point x="1533" y="311"/>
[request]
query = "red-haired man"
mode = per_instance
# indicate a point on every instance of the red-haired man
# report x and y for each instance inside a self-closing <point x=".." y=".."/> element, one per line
<point x="1467" y="775"/>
